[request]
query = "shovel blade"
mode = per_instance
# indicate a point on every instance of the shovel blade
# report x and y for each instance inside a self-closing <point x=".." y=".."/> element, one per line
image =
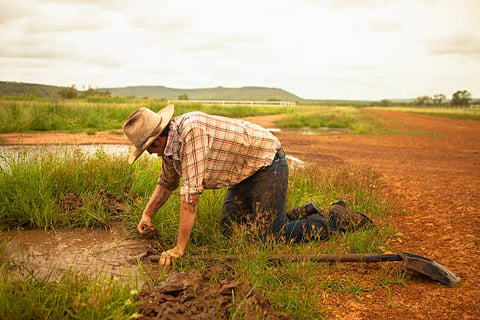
<point x="429" y="268"/>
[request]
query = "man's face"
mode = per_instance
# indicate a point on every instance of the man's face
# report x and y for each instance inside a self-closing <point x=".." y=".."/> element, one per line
<point x="158" y="146"/>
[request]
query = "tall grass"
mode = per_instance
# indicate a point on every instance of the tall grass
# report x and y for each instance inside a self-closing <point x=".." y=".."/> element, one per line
<point x="31" y="187"/>
<point x="92" y="115"/>
<point x="72" y="116"/>
<point x="72" y="296"/>
<point x="108" y="113"/>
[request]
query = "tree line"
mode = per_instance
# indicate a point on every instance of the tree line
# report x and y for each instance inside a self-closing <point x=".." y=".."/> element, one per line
<point x="459" y="98"/>
<point x="72" y="93"/>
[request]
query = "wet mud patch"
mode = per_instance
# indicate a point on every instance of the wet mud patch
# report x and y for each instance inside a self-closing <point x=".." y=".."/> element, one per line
<point x="95" y="251"/>
<point x="192" y="295"/>
<point x="73" y="203"/>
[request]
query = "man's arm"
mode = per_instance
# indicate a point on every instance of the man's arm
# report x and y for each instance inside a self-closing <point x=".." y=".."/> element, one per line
<point x="159" y="197"/>
<point x="188" y="213"/>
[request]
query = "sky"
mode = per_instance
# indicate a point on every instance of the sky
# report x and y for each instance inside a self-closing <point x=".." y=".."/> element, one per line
<point x="316" y="49"/>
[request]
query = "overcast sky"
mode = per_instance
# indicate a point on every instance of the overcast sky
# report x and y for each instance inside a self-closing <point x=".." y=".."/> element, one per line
<point x="321" y="49"/>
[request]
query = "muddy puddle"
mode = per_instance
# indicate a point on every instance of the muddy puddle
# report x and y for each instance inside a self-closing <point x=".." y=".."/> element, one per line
<point x="311" y="131"/>
<point x="96" y="252"/>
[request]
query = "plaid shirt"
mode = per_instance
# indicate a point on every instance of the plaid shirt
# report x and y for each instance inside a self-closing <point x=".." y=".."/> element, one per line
<point x="211" y="152"/>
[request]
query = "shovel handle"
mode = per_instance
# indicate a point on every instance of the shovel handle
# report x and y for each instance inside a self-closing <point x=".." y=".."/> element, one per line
<point x="411" y="261"/>
<point x="351" y="257"/>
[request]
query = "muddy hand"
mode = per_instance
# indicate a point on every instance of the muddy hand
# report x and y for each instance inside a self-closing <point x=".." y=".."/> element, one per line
<point x="168" y="257"/>
<point x="147" y="230"/>
<point x="145" y="225"/>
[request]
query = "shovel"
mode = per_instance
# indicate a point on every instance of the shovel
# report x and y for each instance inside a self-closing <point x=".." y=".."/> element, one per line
<point x="411" y="261"/>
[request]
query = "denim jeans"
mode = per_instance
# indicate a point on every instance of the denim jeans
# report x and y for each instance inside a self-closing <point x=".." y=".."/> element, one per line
<point x="313" y="227"/>
<point x="259" y="199"/>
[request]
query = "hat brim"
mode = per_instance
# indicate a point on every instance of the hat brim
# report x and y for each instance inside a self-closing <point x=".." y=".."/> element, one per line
<point x="166" y="115"/>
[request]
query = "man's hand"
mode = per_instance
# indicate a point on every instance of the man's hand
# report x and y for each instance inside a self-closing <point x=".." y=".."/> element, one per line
<point x="168" y="257"/>
<point x="145" y="225"/>
<point x="159" y="196"/>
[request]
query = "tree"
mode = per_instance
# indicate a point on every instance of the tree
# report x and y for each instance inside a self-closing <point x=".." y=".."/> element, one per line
<point x="385" y="102"/>
<point x="438" y="98"/>
<point x="423" y="100"/>
<point x="91" y="92"/>
<point x="183" y="97"/>
<point x="461" y="98"/>
<point x="68" y="93"/>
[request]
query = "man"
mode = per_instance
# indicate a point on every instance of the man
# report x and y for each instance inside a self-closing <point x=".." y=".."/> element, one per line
<point x="210" y="152"/>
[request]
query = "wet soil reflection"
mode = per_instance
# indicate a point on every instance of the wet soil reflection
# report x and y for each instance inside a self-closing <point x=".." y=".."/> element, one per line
<point x="93" y="251"/>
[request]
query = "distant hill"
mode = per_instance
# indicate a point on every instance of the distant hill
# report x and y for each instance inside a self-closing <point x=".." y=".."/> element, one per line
<point x="217" y="93"/>
<point x="10" y="88"/>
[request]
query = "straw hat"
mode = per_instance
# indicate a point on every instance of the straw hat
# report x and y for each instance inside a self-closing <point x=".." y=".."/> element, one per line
<point x="143" y="126"/>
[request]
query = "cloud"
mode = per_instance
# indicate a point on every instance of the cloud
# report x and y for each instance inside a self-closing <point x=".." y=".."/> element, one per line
<point x="344" y="4"/>
<point x="223" y="43"/>
<point x="381" y="25"/>
<point x="465" y="45"/>
<point x="103" y="4"/>
<point x="14" y="10"/>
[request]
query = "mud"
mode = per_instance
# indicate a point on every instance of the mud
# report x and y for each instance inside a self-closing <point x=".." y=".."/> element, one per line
<point x="192" y="295"/>
<point x="72" y="202"/>
<point x="48" y="253"/>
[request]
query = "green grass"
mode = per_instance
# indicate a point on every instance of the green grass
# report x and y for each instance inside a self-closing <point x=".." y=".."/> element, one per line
<point x="99" y="114"/>
<point x="72" y="296"/>
<point x="357" y="121"/>
<point x="31" y="187"/>
<point x="444" y="112"/>
<point x="108" y="114"/>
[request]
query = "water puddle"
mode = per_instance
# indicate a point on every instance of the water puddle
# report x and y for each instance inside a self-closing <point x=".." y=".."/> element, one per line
<point x="93" y="251"/>
<point x="312" y="131"/>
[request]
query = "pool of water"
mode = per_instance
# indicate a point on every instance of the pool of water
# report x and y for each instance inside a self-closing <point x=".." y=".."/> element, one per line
<point x="311" y="131"/>
<point x="96" y="251"/>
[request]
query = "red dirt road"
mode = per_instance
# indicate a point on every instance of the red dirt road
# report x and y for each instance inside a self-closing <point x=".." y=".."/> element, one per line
<point x="433" y="175"/>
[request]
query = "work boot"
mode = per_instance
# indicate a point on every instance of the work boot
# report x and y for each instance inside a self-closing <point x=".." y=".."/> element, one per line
<point x="302" y="212"/>
<point x="343" y="219"/>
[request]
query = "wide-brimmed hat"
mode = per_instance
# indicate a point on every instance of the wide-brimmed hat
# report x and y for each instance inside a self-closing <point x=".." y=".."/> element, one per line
<point x="143" y="126"/>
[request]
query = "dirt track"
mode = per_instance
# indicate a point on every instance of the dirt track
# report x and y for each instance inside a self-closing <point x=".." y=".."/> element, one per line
<point x="433" y="175"/>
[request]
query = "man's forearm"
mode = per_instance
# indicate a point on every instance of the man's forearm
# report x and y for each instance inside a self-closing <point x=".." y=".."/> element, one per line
<point x="159" y="196"/>
<point x="188" y="213"/>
